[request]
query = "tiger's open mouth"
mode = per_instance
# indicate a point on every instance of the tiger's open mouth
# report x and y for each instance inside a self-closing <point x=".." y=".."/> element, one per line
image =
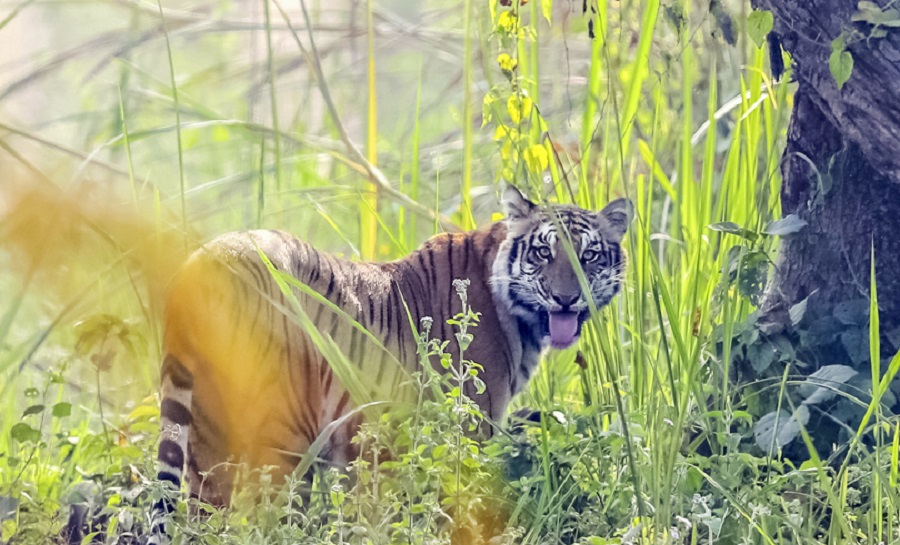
<point x="563" y="328"/>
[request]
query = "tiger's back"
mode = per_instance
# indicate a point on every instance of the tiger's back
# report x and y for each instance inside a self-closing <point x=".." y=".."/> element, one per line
<point x="243" y="380"/>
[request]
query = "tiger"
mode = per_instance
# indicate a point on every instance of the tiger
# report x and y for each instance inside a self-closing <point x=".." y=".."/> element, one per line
<point x="243" y="380"/>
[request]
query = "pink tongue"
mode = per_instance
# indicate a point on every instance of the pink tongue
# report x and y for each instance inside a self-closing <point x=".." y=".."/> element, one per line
<point x="563" y="328"/>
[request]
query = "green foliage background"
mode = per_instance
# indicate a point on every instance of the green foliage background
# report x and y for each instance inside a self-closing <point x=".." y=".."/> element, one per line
<point x="132" y="131"/>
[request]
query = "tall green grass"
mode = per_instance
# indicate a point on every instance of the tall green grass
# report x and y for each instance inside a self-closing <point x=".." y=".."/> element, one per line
<point x="651" y="436"/>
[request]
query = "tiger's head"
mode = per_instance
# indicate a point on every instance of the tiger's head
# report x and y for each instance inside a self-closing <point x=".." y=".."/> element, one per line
<point x="536" y="271"/>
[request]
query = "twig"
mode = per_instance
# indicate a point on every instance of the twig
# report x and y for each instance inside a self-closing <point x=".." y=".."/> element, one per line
<point x="65" y="149"/>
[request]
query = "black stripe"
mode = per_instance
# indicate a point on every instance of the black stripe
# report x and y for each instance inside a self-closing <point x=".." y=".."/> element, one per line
<point x="177" y="373"/>
<point x="254" y="266"/>
<point x="331" y="273"/>
<point x="175" y="411"/>
<point x="450" y="255"/>
<point x="169" y="477"/>
<point x="524" y="372"/>
<point x="514" y="253"/>
<point x="467" y="249"/>
<point x="163" y="505"/>
<point x="450" y="274"/>
<point x="431" y="267"/>
<point x="381" y="323"/>
<point x="170" y="453"/>
<point x="615" y="255"/>
<point x="313" y="268"/>
<point x="389" y="310"/>
<point x="309" y="385"/>
<point x="529" y="335"/>
<point x="345" y="398"/>
<point x="326" y="380"/>
<point x="422" y="267"/>
<point x="415" y="290"/>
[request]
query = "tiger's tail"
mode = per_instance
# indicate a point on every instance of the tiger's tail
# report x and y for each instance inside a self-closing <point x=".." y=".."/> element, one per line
<point x="174" y="426"/>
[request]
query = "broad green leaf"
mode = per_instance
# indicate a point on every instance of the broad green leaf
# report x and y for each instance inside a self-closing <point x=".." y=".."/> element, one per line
<point x="788" y="225"/>
<point x="143" y="411"/>
<point x="854" y="312"/>
<point x="821" y="332"/>
<point x="840" y="62"/>
<point x="760" y="355"/>
<point x="798" y="311"/>
<point x="759" y="24"/>
<point x="873" y="14"/>
<point x="777" y="429"/>
<point x="24" y="433"/>
<point x="821" y="385"/>
<point x="62" y="410"/>
<point x="856" y="343"/>
<point x="33" y="409"/>
<point x="754" y="270"/>
<point x="733" y="229"/>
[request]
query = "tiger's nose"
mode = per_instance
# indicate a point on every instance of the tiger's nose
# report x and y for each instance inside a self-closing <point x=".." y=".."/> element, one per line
<point x="566" y="299"/>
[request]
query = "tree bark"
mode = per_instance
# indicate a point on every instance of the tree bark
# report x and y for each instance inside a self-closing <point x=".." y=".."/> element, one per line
<point x="841" y="166"/>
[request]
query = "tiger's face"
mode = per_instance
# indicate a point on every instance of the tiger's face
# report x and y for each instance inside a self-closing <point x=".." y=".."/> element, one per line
<point x="555" y="261"/>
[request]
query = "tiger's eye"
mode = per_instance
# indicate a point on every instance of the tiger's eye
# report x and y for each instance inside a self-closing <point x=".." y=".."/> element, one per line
<point x="543" y="252"/>
<point x="589" y="255"/>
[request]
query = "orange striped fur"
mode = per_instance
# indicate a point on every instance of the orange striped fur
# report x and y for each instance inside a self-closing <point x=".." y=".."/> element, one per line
<point x="243" y="382"/>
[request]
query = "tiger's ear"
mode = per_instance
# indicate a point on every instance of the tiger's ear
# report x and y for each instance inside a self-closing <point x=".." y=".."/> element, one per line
<point x="617" y="215"/>
<point x="515" y="205"/>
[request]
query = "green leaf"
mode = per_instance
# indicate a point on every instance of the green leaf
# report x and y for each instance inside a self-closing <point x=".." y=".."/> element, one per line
<point x="856" y="343"/>
<point x="34" y="409"/>
<point x="798" y="311"/>
<point x="840" y="62"/>
<point x="734" y="229"/>
<point x="871" y="13"/>
<point x="759" y="24"/>
<point x="821" y="385"/>
<point x="547" y="10"/>
<point x="821" y="332"/>
<point x="788" y="225"/>
<point x="24" y="433"/>
<point x="780" y="428"/>
<point x="854" y="312"/>
<point x="62" y="410"/>
<point x="760" y="355"/>
<point x="754" y="270"/>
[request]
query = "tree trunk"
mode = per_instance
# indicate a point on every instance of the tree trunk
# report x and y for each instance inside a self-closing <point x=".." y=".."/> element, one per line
<point x="841" y="167"/>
